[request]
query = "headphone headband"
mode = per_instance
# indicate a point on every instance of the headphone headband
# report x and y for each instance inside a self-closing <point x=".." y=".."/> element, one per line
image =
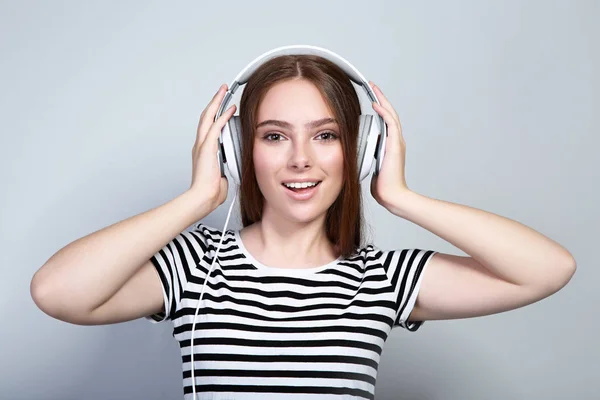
<point x="348" y="68"/>
<point x="300" y="49"/>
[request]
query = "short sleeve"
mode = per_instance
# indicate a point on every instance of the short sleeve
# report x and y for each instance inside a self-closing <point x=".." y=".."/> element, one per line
<point x="177" y="263"/>
<point x="405" y="270"/>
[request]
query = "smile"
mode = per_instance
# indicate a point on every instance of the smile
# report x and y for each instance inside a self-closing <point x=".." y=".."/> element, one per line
<point x="302" y="193"/>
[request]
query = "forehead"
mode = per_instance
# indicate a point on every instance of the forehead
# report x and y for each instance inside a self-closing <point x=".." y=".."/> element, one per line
<point x="296" y="101"/>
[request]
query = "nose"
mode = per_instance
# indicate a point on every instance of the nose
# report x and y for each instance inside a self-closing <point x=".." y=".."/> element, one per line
<point x="300" y="157"/>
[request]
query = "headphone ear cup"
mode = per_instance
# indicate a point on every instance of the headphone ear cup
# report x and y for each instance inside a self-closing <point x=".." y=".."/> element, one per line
<point x="231" y="136"/>
<point x="366" y="144"/>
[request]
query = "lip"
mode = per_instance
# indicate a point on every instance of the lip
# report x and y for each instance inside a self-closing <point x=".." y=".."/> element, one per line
<point x="302" y="196"/>
<point x="301" y="180"/>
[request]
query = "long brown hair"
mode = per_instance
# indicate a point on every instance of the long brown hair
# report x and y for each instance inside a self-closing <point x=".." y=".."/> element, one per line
<point x="344" y="219"/>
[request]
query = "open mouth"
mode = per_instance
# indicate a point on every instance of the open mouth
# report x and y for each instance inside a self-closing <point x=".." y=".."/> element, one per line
<point x="301" y="190"/>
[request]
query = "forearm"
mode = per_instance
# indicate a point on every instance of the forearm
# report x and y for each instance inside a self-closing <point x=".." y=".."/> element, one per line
<point x="509" y="249"/>
<point x="93" y="268"/>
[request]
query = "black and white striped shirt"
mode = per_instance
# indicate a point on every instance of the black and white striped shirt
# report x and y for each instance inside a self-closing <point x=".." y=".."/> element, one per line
<point x="279" y="333"/>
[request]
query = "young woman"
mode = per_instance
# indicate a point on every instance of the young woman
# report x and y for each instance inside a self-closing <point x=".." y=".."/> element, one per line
<point x="297" y="305"/>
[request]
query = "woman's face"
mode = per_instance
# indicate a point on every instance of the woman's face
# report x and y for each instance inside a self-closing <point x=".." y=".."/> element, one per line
<point x="295" y="142"/>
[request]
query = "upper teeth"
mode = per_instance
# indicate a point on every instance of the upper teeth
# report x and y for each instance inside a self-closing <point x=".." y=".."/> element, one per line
<point x="298" y="185"/>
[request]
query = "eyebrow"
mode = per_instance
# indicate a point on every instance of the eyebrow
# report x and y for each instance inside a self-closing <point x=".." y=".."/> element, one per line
<point x="287" y="125"/>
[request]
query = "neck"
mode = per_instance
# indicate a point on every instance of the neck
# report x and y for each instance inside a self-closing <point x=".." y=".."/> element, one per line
<point x="302" y="244"/>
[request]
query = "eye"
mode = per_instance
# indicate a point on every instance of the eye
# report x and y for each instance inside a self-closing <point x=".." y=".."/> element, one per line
<point x="271" y="135"/>
<point x="326" y="136"/>
<point x="329" y="136"/>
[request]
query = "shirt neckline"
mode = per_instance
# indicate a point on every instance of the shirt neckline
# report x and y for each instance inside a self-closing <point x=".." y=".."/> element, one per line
<point x="280" y="271"/>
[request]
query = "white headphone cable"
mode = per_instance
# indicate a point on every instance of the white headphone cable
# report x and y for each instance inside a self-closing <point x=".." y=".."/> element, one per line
<point x="202" y="293"/>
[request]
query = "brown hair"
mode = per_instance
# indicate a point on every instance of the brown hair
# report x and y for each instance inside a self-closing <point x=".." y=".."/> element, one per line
<point x="343" y="222"/>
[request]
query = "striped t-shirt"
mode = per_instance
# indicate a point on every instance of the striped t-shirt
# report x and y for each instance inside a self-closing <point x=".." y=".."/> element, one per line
<point x="278" y="333"/>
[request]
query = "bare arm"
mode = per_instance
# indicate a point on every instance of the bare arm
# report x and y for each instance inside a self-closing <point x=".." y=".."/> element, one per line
<point x="106" y="276"/>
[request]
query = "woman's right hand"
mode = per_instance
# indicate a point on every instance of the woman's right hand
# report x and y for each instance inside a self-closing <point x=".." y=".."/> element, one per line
<point x="206" y="172"/>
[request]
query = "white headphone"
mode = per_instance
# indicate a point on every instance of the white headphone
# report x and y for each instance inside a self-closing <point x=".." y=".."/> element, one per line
<point x="230" y="139"/>
<point x="370" y="144"/>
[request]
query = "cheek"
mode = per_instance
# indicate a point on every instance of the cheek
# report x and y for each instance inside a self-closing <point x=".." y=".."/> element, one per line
<point x="265" y="163"/>
<point x="333" y="160"/>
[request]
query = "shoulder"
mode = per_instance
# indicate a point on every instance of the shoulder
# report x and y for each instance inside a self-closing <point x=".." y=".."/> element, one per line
<point x="394" y="261"/>
<point x="372" y="253"/>
<point x="367" y="256"/>
<point x="204" y="228"/>
<point x="208" y="232"/>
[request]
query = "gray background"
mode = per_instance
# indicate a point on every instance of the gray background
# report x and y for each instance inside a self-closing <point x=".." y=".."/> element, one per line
<point x="100" y="103"/>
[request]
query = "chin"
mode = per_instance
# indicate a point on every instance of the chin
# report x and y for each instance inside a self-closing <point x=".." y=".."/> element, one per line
<point x="297" y="213"/>
<point x="304" y="218"/>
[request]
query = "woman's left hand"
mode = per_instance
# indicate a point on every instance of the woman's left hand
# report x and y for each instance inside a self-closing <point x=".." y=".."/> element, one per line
<point x="390" y="184"/>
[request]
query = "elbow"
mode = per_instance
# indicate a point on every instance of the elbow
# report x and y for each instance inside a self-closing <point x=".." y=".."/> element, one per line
<point x="562" y="275"/>
<point x="569" y="271"/>
<point x="42" y="294"/>
<point x="553" y="278"/>
<point x="48" y="299"/>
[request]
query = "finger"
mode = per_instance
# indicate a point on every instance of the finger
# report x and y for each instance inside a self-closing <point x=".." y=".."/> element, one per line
<point x="213" y="133"/>
<point x="389" y="119"/>
<point x="208" y="115"/>
<point x="212" y="137"/>
<point x="384" y="101"/>
<point x="214" y="98"/>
